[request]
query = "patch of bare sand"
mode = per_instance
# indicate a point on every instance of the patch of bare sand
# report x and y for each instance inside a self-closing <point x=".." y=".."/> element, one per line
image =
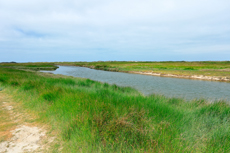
<point x="199" y="77"/>
<point x="24" y="137"/>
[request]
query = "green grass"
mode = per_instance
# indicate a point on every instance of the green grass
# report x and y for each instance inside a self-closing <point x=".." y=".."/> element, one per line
<point x="30" y="66"/>
<point x="207" y="68"/>
<point x="90" y="116"/>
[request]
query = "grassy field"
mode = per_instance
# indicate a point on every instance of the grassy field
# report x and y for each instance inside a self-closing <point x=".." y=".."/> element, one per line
<point x="30" y="66"/>
<point x="90" y="116"/>
<point x="206" y="68"/>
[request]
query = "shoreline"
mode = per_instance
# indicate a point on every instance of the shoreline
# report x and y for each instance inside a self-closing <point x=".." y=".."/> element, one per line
<point x="192" y="77"/>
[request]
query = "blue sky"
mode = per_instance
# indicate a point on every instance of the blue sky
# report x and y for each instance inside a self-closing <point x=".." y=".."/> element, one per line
<point x="92" y="30"/>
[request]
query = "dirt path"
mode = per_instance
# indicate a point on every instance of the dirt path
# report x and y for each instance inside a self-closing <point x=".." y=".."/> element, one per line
<point x="16" y="135"/>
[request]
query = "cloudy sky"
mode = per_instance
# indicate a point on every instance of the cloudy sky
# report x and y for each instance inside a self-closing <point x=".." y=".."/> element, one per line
<point x="92" y="30"/>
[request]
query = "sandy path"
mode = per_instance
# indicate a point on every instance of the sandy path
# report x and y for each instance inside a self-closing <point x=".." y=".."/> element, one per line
<point x="24" y="137"/>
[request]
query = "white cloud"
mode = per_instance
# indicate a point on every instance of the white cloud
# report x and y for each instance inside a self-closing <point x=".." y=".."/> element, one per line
<point x="121" y="25"/>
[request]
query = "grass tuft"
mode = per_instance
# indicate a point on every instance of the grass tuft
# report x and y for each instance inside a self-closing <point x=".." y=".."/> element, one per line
<point x="85" y="83"/>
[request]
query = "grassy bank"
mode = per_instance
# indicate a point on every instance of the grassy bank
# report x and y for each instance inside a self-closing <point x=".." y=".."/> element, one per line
<point x="205" y="68"/>
<point x="90" y="116"/>
<point x="30" y="66"/>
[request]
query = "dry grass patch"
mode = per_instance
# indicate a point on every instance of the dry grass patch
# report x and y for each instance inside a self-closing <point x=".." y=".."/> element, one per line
<point x="6" y="122"/>
<point x="19" y="129"/>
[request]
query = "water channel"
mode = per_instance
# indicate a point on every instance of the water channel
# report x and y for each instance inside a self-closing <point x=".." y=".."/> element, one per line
<point x="170" y="87"/>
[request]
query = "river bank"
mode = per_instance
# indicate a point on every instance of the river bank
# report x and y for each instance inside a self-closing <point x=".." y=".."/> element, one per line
<point x="188" y="89"/>
<point x="197" y="77"/>
<point x="204" y="70"/>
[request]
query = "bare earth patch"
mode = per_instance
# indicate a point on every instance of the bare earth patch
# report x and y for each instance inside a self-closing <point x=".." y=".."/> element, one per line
<point x="24" y="138"/>
<point x="21" y="136"/>
<point x="199" y="77"/>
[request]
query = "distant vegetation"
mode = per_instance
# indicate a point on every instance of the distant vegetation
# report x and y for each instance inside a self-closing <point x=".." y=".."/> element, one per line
<point x="89" y="116"/>
<point x="29" y="66"/>
<point x="207" y="68"/>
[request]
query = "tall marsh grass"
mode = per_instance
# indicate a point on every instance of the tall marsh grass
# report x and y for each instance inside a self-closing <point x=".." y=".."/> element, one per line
<point x="97" y="117"/>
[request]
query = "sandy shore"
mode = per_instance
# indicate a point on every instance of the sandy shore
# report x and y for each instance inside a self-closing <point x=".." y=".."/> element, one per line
<point x="199" y="77"/>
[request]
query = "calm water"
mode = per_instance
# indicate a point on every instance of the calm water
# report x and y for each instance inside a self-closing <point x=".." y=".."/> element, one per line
<point x="171" y="87"/>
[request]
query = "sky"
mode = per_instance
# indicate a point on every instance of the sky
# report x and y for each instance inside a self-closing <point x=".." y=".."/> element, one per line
<point x="109" y="30"/>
